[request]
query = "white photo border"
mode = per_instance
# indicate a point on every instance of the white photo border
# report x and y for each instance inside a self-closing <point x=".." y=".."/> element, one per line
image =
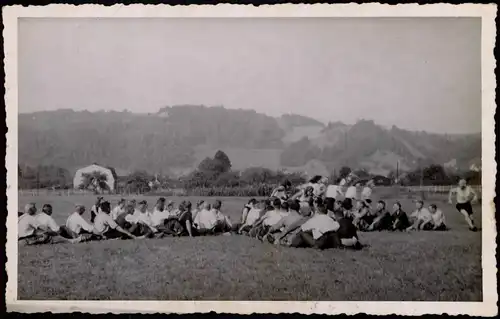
<point x="487" y="13"/>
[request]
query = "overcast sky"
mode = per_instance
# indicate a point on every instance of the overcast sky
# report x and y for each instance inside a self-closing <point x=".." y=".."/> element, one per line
<point x="416" y="73"/>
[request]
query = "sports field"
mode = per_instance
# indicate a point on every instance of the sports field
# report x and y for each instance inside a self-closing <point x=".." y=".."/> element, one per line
<point x="417" y="266"/>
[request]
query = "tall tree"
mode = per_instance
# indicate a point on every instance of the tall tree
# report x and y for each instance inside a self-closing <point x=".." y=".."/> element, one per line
<point x="222" y="162"/>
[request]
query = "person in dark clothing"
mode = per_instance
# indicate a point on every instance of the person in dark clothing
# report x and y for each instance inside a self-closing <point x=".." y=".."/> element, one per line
<point x="383" y="219"/>
<point x="400" y="219"/>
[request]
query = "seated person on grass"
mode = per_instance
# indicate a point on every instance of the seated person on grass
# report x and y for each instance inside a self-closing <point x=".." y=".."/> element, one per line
<point x="251" y="213"/>
<point x="46" y="222"/>
<point x="118" y="209"/>
<point x="95" y="209"/>
<point x="105" y="226"/>
<point x="31" y="232"/>
<point x="271" y="217"/>
<point x="281" y="191"/>
<point x="224" y="222"/>
<point x="180" y="222"/>
<point x="361" y="215"/>
<point x="207" y="221"/>
<point x="383" y="219"/>
<point x="275" y="232"/>
<point x="284" y="212"/>
<point x="399" y="218"/>
<point x="288" y="233"/>
<point x="319" y="232"/>
<point x="437" y="221"/>
<point x="304" y="195"/>
<point x="347" y="232"/>
<point x="77" y="226"/>
<point x="420" y="217"/>
<point x="160" y="213"/>
<point x="198" y="208"/>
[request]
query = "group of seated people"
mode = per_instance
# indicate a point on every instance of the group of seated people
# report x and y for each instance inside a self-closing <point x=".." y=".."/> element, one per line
<point x="127" y="220"/>
<point x="315" y="216"/>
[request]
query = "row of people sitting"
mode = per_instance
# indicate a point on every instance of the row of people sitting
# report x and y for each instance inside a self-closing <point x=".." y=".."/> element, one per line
<point x="126" y="220"/>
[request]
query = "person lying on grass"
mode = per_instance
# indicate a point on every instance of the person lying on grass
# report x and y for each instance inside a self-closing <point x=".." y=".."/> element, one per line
<point x="420" y="217"/>
<point x="31" y="232"/>
<point x="271" y="217"/>
<point x="250" y="214"/>
<point x="436" y="222"/>
<point x="118" y="209"/>
<point x="400" y="220"/>
<point x="105" y="226"/>
<point x="77" y="226"/>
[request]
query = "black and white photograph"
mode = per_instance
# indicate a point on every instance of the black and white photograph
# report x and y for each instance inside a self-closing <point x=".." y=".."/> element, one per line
<point x="320" y="158"/>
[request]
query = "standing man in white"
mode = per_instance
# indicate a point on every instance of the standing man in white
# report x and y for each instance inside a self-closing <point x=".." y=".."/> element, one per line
<point x="465" y="198"/>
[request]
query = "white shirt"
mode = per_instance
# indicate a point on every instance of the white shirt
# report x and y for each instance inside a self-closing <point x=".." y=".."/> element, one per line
<point x="47" y="221"/>
<point x="26" y="225"/>
<point x="76" y="223"/>
<point x="103" y="222"/>
<point x="206" y="219"/>
<point x="438" y="217"/>
<point x="423" y="214"/>
<point x="333" y="191"/>
<point x="221" y="217"/>
<point x="252" y="216"/>
<point x="351" y="192"/>
<point x="116" y="212"/>
<point x="158" y="217"/>
<point x="143" y="217"/>
<point x="464" y="195"/>
<point x="272" y="217"/>
<point x="320" y="224"/>
<point x="366" y="193"/>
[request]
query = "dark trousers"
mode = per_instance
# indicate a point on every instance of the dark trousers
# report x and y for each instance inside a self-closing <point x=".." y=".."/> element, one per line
<point x="306" y="239"/>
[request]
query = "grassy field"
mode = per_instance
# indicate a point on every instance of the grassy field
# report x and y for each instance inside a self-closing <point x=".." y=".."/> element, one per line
<point x="420" y="266"/>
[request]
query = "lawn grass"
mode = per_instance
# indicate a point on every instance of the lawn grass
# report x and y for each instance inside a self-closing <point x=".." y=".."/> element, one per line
<point x="424" y="266"/>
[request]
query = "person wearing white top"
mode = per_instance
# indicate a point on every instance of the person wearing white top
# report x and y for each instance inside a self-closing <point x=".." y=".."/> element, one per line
<point x="206" y="218"/>
<point x="249" y="216"/>
<point x="76" y="224"/>
<point x="28" y="229"/>
<point x="95" y="209"/>
<point x="319" y="231"/>
<point x="118" y="209"/>
<point x="352" y="192"/>
<point x="268" y="218"/>
<point x="105" y="226"/>
<point x="421" y="216"/>
<point x="366" y="193"/>
<point x="160" y="213"/>
<point x="143" y="220"/>
<point x="465" y="197"/>
<point x="334" y="191"/>
<point x="224" y="224"/>
<point x="46" y="221"/>
<point x="437" y="221"/>
<point x="39" y="229"/>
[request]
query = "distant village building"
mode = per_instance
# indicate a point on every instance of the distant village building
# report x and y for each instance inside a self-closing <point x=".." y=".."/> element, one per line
<point x="108" y="171"/>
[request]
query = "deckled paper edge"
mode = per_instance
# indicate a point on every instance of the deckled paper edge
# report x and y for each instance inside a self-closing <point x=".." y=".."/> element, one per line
<point x="487" y="12"/>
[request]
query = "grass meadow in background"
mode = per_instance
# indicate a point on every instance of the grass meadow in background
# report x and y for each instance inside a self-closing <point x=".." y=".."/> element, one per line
<point x="416" y="266"/>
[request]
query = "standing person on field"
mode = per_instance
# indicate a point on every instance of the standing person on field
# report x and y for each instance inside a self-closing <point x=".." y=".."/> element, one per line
<point x="465" y="197"/>
<point x="282" y="191"/>
<point x="95" y="209"/>
<point x="352" y="191"/>
<point x="366" y="193"/>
